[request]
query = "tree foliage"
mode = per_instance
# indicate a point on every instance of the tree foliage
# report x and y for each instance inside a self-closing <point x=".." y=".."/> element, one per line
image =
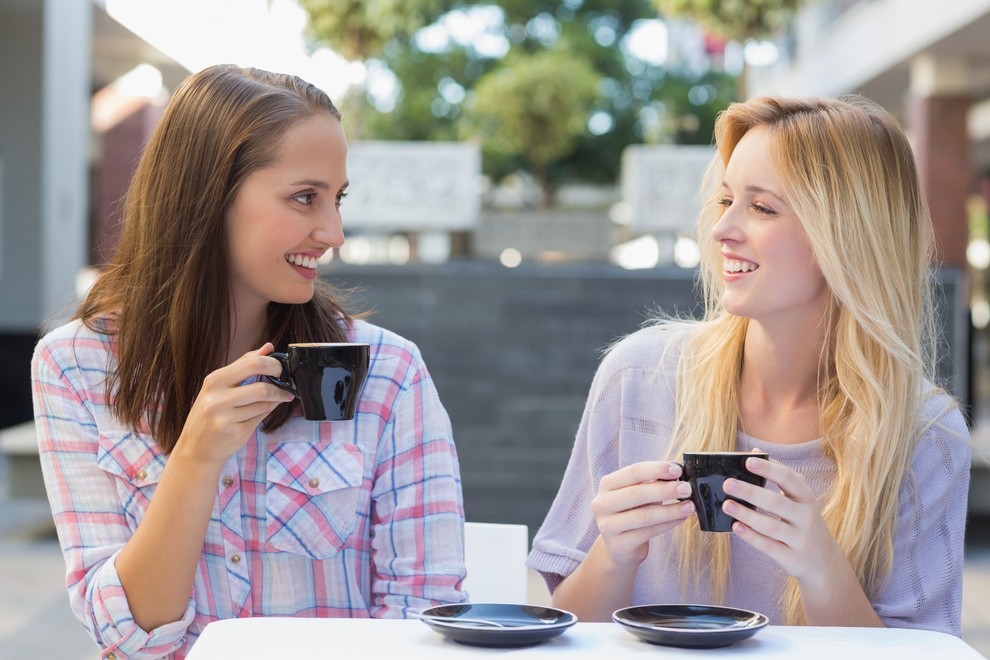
<point x="563" y="98"/>
<point x="732" y="19"/>
<point x="534" y="106"/>
<point x="359" y="29"/>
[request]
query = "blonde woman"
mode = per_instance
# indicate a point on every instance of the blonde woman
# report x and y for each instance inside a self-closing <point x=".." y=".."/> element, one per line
<point x="815" y="348"/>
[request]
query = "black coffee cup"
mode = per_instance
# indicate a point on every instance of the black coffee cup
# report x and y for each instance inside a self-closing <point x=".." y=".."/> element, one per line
<point x="327" y="378"/>
<point x="707" y="472"/>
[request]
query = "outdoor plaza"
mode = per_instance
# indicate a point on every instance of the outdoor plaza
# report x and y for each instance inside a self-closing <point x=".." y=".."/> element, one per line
<point x="511" y="290"/>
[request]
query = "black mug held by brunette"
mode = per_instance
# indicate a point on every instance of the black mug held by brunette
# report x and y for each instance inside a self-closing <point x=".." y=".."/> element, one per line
<point x="327" y="378"/>
<point x="707" y="472"/>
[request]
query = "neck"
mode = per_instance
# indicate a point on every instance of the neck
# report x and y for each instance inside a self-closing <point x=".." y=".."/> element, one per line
<point x="781" y="367"/>
<point x="778" y="386"/>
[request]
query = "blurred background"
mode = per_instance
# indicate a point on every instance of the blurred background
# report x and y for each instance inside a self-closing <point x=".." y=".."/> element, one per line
<point x="524" y="184"/>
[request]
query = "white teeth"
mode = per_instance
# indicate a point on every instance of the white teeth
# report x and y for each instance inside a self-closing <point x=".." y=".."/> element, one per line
<point x="737" y="266"/>
<point x="301" y="260"/>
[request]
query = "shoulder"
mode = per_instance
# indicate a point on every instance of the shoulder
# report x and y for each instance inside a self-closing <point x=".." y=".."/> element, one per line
<point x="944" y="436"/>
<point x="640" y="369"/>
<point x="394" y="358"/>
<point x="651" y="350"/>
<point x="73" y="345"/>
<point x="383" y="342"/>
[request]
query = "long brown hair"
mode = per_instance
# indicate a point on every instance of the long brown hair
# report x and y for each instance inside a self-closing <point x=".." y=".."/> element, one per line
<point x="165" y="295"/>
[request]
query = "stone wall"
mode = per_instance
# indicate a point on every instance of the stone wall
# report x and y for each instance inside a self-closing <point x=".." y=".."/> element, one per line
<point x="513" y="353"/>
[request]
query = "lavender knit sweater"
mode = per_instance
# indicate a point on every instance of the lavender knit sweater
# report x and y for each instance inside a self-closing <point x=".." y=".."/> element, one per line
<point x="629" y="417"/>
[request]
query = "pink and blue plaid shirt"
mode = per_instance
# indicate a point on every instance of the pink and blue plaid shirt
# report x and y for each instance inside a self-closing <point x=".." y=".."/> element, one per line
<point x="346" y="519"/>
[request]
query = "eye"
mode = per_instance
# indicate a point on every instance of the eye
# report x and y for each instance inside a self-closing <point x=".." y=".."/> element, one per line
<point x="724" y="201"/>
<point x="340" y="198"/>
<point x="306" y="198"/>
<point x="763" y="210"/>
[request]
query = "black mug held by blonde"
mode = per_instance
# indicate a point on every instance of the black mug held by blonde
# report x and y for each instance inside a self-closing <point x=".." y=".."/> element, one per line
<point x="846" y="169"/>
<point x="168" y="283"/>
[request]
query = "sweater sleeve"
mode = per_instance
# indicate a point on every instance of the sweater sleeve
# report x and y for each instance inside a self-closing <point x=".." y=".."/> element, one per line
<point x="627" y="414"/>
<point x="924" y="589"/>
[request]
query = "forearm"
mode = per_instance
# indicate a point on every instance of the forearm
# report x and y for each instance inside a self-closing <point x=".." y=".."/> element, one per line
<point x="597" y="587"/>
<point x="834" y="597"/>
<point x="158" y="564"/>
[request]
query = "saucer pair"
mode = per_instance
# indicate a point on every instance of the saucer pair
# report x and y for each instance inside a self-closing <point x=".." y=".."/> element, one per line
<point x="507" y="625"/>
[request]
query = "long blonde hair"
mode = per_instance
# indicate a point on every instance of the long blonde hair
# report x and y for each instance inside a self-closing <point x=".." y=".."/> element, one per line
<point x="847" y="170"/>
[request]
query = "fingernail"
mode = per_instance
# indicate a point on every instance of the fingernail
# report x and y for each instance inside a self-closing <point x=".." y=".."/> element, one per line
<point x="729" y="506"/>
<point x="683" y="490"/>
<point x="687" y="507"/>
<point x="674" y="470"/>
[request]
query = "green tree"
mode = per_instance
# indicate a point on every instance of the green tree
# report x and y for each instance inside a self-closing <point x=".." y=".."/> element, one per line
<point x="360" y="29"/>
<point x="732" y="19"/>
<point x="534" y="107"/>
<point x="636" y="101"/>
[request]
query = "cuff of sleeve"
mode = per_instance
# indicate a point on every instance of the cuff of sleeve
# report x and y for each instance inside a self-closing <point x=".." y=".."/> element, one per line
<point x="553" y="567"/>
<point x="119" y="634"/>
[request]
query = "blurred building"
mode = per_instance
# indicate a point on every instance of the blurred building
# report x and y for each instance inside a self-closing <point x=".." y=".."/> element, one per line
<point x="926" y="62"/>
<point x="54" y="56"/>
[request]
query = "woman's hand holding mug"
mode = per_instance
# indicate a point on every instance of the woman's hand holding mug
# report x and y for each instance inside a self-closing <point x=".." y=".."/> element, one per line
<point x="636" y="503"/>
<point x="226" y="413"/>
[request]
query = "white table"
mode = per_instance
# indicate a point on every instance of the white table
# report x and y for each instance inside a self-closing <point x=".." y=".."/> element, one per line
<point x="267" y="638"/>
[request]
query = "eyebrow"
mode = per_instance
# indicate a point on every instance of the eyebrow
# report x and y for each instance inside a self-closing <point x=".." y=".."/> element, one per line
<point x="322" y="185"/>
<point x="757" y="189"/>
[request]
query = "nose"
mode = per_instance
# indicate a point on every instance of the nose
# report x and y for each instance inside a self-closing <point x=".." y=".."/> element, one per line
<point x="329" y="230"/>
<point x="728" y="227"/>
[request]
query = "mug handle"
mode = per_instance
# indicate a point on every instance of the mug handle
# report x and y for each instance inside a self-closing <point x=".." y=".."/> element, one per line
<point x="283" y="358"/>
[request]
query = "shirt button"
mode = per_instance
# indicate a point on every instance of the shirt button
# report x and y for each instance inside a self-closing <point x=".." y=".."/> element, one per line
<point x="228" y="482"/>
<point x="235" y="559"/>
<point x="110" y="656"/>
<point x="314" y="482"/>
<point x="141" y="476"/>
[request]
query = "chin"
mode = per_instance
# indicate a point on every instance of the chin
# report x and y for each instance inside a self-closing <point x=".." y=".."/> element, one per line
<point x="295" y="298"/>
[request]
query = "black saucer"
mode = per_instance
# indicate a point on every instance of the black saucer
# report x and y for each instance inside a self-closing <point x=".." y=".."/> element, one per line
<point x="690" y="626"/>
<point x="524" y="625"/>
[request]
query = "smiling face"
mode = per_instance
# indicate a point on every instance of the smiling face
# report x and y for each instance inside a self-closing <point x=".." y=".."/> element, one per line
<point x="285" y="216"/>
<point x="768" y="268"/>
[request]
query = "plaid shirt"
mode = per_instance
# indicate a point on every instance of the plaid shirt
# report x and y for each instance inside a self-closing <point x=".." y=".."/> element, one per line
<point x="346" y="519"/>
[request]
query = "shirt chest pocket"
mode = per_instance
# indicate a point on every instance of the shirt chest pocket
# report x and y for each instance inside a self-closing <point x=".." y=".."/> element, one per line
<point x="312" y="496"/>
<point x="135" y="463"/>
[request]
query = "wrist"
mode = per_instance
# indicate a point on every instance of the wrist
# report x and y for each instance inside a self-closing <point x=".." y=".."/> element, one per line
<point x="193" y="466"/>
